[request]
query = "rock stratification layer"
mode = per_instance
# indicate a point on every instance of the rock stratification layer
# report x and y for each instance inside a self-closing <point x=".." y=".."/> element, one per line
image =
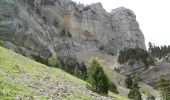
<point x="65" y="28"/>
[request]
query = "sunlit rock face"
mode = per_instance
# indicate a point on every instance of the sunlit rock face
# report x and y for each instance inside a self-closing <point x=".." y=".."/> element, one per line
<point x="65" y="28"/>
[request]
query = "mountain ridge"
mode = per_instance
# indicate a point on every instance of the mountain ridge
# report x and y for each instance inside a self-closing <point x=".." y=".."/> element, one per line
<point x="64" y="28"/>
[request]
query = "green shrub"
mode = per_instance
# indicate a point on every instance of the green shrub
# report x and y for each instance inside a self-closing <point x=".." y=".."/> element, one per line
<point x="163" y="85"/>
<point x="129" y="82"/>
<point x="77" y="72"/>
<point x="135" y="94"/>
<point x="1" y="44"/>
<point x="112" y="87"/>
<point x="80" y="71"/>
<point x="40" y="59"/>
<point x="52" y="61"/>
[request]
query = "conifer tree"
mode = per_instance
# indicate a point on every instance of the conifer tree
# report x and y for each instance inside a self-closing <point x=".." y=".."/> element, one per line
<point x="97" y="77"/>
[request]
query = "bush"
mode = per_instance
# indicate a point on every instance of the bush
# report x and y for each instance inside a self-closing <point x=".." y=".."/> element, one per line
<point x="112" y="87"/>
<point x="80" y="71"/>
<point x="40" y="59"/>
<point x="1" y="44"/>
<point x="136" y="78"/>
<point x="129" y="82"/>
<point x="97" y="77"/>
<point x="135" y="94"/>
<point x="165" y="95"/>
<point x="163" y="85"/>
<point x="52" y="61"/>
<point x="77" y="72"/>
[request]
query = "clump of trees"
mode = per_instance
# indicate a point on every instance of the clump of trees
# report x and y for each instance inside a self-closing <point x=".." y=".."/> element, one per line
<point x="158" y="51"/>
<point x="75" y="68"/>
<point x="44" y="60"/>
<point x="98" y="79"/>
<point x="131" y="82"/>
<point x="94" y="74"/>
<point x="132" y="55"/>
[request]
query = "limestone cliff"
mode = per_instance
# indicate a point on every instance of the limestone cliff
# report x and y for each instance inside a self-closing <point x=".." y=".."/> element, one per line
<point x="65" y="28"/>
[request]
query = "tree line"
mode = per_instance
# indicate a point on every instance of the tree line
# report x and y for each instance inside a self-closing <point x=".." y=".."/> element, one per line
<point x="158" y="51"/>
<point x="133" y="55"/>
<point x="148" y="57"/>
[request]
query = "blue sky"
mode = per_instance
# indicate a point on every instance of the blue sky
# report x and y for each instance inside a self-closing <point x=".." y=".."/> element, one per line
<point x="153" y="16"/>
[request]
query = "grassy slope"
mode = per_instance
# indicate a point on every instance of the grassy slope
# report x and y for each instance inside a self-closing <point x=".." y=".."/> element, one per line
<point x="24" y="78"/>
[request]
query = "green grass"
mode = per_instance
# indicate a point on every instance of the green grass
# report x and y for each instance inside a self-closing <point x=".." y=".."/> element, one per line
<point x="8" y="89"/>
<point x="17" y="73"/>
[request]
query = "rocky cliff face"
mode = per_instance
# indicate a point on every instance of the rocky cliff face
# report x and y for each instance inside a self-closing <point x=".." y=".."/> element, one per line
<point x="161" y="69"/>
<point x="65" y="28"/>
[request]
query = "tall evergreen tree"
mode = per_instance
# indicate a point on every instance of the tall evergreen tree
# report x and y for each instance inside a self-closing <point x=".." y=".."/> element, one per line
<point x="97" y="77"/>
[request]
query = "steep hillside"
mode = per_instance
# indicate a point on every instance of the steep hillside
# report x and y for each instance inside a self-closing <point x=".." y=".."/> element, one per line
<point x="23" y="78"/>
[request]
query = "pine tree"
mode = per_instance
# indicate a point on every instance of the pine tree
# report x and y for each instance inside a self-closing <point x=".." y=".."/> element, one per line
<point x="97" y="77"/>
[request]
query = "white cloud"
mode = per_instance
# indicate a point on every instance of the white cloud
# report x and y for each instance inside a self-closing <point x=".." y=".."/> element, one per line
<point x="153" y="16"/>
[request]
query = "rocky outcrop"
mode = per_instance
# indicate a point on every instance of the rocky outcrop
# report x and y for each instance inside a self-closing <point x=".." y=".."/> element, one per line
<point x="161" y="69"/>
<point x="63" y="27"/>
<point x="129" y="69"/>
